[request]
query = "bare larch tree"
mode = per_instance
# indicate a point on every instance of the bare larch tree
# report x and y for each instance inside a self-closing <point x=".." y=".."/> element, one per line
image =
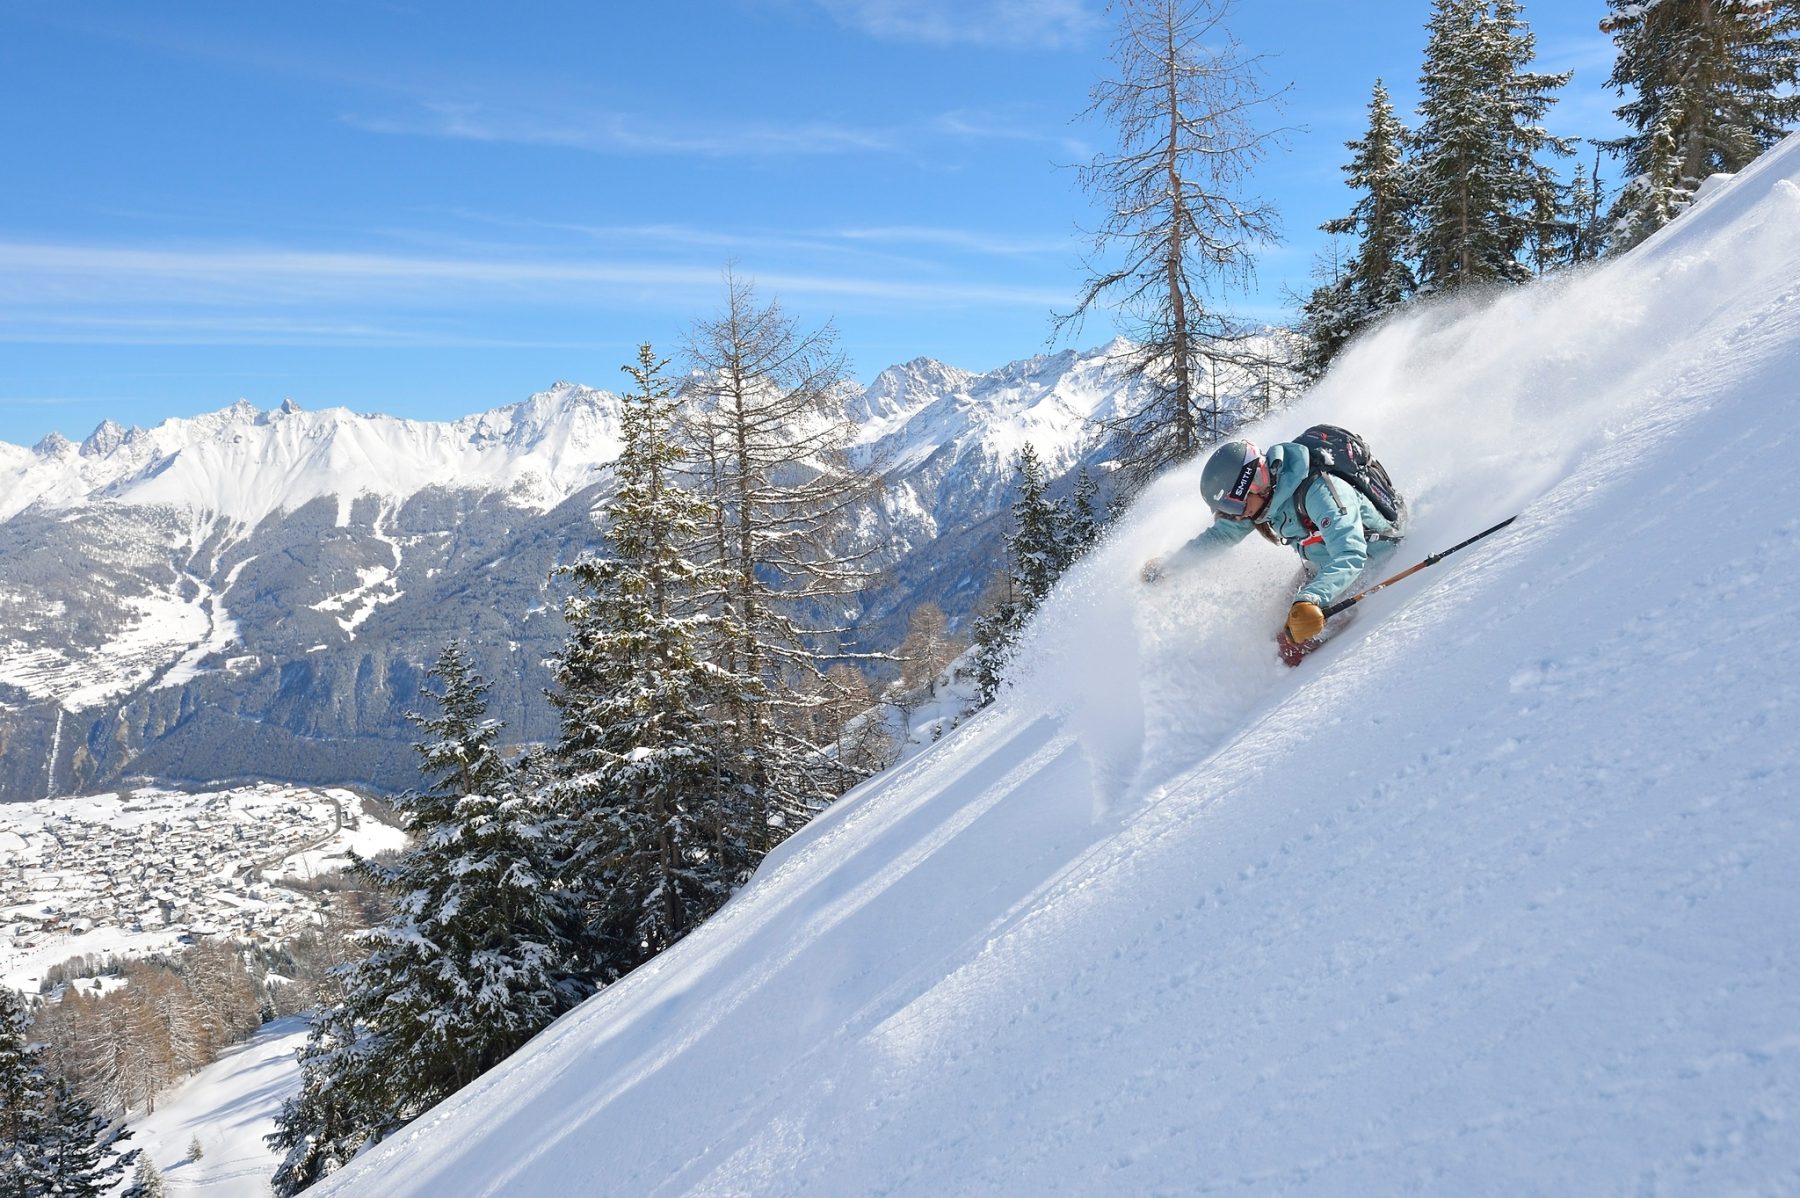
<point x="1178" y="232"/>
<point x="769" y="438"/>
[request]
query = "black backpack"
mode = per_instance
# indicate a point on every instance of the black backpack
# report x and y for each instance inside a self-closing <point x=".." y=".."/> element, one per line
<point x="1340" y="452"/>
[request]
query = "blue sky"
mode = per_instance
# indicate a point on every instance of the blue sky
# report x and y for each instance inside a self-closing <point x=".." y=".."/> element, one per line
<point x="435" y="209"/>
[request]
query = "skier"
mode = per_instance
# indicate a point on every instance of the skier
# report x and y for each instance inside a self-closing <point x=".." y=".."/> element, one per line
<point x="1300" y="493"/>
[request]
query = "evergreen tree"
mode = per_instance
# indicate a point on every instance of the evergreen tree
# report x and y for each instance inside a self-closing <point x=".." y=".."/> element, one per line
<point x="999" y="618"/>
<point x="1085" y="521"/>
<point x="343" y="1102"/>
<point x="1377" y="278"/>
<point x="51" y="1141"/>
<point x="660" y="802"/>
<point x="1585" y="227"/>
<point x="766" y="428"/>
<point x="146" y="1180"/>
<point x="1176" y="224"/>
<point x="475" y="959"/>
<point x="1476" y="177"/>
<point x="1044" y="542"/>
<point x="1038" y="547"/>
<point x="1529" y="190"/>
<point x="473" y="962"/>
<point x="1329" y="316"/>
<point x="1712" y="86"/>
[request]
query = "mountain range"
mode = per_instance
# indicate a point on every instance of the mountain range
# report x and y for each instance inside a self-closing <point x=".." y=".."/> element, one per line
<point x="255" y="593"/>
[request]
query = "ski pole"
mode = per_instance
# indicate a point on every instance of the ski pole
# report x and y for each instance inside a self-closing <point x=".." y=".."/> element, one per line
<point x="1434" y="559"/>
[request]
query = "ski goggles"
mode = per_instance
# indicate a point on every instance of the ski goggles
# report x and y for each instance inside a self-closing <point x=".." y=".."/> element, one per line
<point x="1250" y="490"/>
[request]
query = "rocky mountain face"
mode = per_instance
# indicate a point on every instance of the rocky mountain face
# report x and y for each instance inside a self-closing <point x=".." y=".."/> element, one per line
<point x="253" y="594"/>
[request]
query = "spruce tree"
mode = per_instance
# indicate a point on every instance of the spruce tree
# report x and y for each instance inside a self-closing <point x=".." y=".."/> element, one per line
<point x="1329" y="316"/>
<point x="343" y="1102"/>
<point x="661" y="805"/>
<point x="146" y="1180"/>
<point x="1038" y="546"/>
<point x="1711" y="85"/>
<point x="51" y="1141"/>
<point x="1529" y="190"/>
<point x="1477" y="175"/>
<point x="1585" y="228"/>
<point x="1376" y="278"/>
<point x="997" y="624"/>
<point x="474" y="960"/>
<point x="1045" y="540"/>
<point x="1085" y="518"/>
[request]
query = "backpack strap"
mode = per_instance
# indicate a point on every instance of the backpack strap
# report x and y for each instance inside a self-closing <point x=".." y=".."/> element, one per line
<point x="1306" y="521"/>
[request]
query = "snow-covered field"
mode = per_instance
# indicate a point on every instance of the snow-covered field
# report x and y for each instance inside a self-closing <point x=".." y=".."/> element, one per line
<point x="1496" y="895"/>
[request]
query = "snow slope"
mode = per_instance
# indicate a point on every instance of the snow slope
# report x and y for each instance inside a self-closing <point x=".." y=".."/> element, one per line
<point x="1495" y="896"/>
<point x="229" y="1107"/>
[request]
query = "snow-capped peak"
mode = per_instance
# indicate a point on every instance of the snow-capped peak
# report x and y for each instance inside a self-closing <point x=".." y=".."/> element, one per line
<point x="899" y="391"/>
<point x="54" y="445"/>
<point x="242" y="464"/>
<point x="106" y="437"/>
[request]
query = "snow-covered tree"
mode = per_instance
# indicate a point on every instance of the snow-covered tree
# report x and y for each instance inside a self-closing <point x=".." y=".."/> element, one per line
<point x="1086" y="517"/>
<point x="51" y="1141"/>
<point x="1584" y="226"/>
<point x="660" y="800"/>
<point x="1178" y="231"/>
<point x="1376" y="278"/>
<point x="474" y="960"/>
<point x="1477" y="177"/>
<point x="998" y="619"/>
<point x="1046" y="539"/>
<point x="765" y="426"/>
<point x="343" y="1102"/>
<point x="1038" y="547"/>
<point x="147" y="1180"/>
<point x="1711" y="85"/>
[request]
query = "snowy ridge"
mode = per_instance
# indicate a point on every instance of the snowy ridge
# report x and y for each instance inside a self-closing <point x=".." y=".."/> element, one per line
<point x="926" y="409"/>
<point x="1494" y="896"/>
<point x="242" y="465"/>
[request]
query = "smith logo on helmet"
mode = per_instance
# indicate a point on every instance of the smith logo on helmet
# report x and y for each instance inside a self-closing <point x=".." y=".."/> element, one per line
<point x="1245" y="477"/>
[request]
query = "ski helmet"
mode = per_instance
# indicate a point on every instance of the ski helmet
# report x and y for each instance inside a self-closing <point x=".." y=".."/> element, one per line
<point x="1234" y="473"/>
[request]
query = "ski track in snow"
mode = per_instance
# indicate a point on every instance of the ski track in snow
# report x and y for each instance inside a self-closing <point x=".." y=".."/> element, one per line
<point x="1494" y="896"/>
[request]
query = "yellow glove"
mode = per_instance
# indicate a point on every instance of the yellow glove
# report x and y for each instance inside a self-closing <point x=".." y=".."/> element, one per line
<point x="1304" y="622"/>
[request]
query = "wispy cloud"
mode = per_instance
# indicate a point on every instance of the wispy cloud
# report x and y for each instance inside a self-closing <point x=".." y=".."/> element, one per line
<point x="1013" y="24"/>
<point x="217" y="330"/>
<point x="998" y="244"/>
<point x="217" y="295"/>
<point x="602" y="131"/>
<point x="988" y="126"/>
<point x="605" y="131"/>
<point x="824" y="241"/>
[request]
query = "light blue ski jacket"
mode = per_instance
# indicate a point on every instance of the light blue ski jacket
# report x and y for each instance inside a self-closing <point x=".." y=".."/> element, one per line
<point x="1351" y="532"/>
